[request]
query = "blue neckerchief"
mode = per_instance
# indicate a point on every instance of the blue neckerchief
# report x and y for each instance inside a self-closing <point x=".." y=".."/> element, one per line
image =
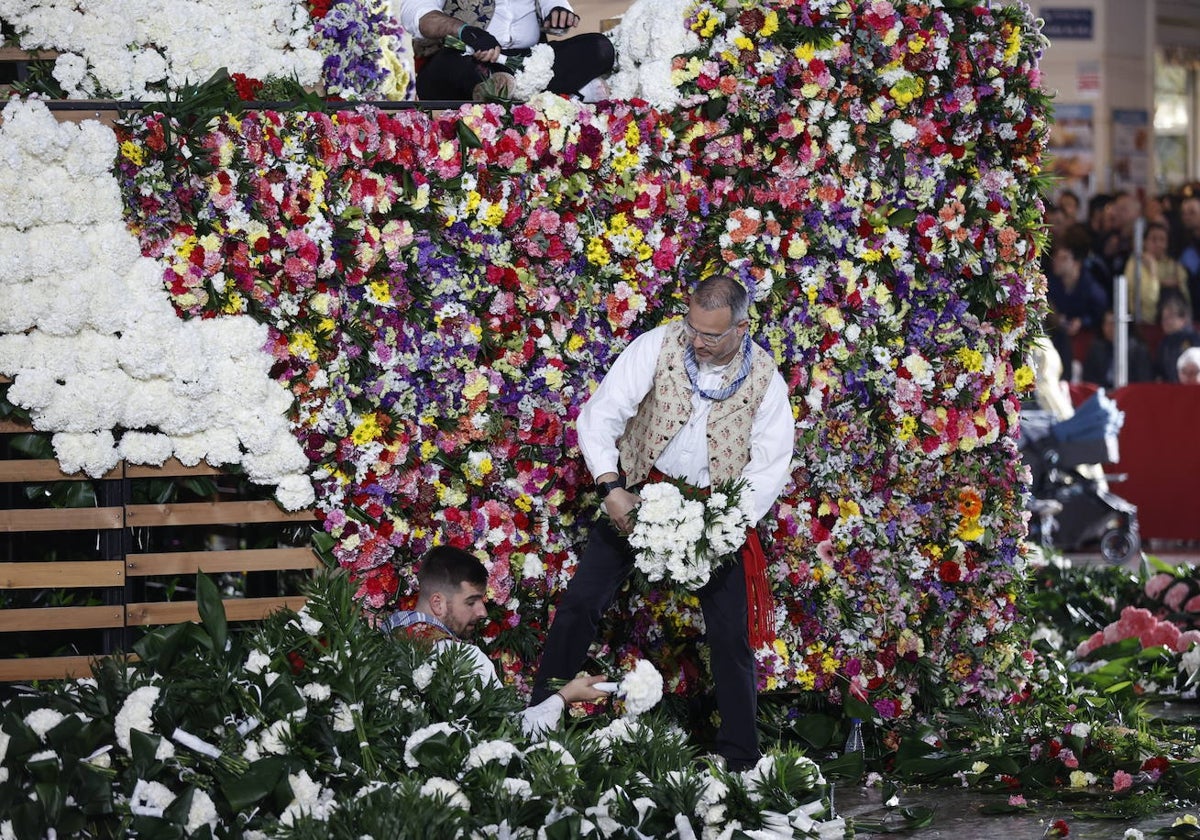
<point x="693" y="372"/>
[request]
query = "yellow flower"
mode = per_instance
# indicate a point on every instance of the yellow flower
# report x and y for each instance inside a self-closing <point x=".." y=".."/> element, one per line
<point x="970" y="530"/>
<point x="597" y="252"/>
<point x="1023" y="377"/>
<point x="575" y="343"/>
<point x="233" y="304"/>
<point x="302" y="344"/>
<point x="770" y="25"/>
<point x="970" y="359"/>
<point x="743" y="43"/>
<point x="524" y="503"/>
<point x="428" y="450"/>
<point x="908" y="428"/>
<point x="378" y="292"/>
<point x="134" y="153"/>
<point x="493" y="215"/>
<point x="366" y="430"/>
<point x="848" y="508"/>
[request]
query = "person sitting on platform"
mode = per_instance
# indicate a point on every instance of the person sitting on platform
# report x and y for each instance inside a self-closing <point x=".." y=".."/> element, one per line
<point x="1158" y="272"/>
<point x="695" y="399"/>
<point x="1175" y="316"/>
<point x="491" y="30"/>
<point x="451" y="601"/>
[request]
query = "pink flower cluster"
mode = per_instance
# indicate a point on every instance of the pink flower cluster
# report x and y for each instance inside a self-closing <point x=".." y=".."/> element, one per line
<point x="1140" y="624"/>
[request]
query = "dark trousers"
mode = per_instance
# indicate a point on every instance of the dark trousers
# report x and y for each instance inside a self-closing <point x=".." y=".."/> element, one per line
<point x="607" y="561"/>
<point x="448" y="74"/>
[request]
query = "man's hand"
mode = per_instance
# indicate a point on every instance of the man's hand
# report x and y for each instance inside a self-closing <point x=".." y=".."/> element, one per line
<point x="618" y="504"/>
<point x="561" y="19"/>
<point x="483" y="44"/>
<point x="580" y="689"/>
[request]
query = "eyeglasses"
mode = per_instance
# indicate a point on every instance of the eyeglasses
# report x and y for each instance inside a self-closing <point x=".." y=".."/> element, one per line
<point x="708" y="339"/>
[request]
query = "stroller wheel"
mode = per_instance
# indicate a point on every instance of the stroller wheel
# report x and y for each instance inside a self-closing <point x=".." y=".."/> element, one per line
<point x="1118" y="545"/>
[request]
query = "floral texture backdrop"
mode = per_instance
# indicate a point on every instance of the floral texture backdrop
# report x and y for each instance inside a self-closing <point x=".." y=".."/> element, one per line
<point x="439" y="293"/>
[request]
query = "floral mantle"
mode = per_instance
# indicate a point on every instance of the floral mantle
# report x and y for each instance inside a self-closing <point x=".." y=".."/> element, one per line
<point x="442" y="292"/>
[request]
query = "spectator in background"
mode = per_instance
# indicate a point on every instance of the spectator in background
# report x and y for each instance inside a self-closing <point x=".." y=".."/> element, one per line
<point x="1159" y="271"/>
<point x="1101" y="237"/>
<point x="1178" y="335"/>
<point x="1068" y="202"/>
<point x="1189" y="252"/>
<point x="1123" y="213"/>
<point x="1099" y="367"/>
<point x="1188" y="366"/>
<point x="1073" y="289"/>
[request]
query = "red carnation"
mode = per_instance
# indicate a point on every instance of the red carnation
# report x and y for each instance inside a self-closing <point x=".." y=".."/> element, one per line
<point x="949" y="571"/>
<point x="247" y="88"/>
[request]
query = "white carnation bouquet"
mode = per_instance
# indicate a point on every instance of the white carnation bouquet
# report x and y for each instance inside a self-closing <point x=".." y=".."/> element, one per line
<point x="641" y="688"/>
<point x="682" y="536"/>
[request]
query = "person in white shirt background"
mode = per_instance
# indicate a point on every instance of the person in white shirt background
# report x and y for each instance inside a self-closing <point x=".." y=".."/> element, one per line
<point x="493" y="29"/>
<point x="695" y="400"/>
<point x="451" y="601"/>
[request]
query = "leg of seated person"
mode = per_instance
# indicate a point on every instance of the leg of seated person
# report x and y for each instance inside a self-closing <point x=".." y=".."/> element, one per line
<point x="580" y="59"/>
<point x="448" y="74"/>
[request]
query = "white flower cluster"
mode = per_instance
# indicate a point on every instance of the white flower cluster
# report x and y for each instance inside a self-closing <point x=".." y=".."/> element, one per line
<point x="135" y="714"/>
<point x="650" y="35"/>
<point x="683" y="540"/>
<point x="535" y="73"/>
<point x="309" y="799"/>
<point x="130" y="49"/>
<point x="641" y="688"/>
<point x="88" y="334"/>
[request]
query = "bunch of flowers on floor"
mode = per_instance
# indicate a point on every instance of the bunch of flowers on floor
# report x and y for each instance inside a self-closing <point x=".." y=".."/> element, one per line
<point x="318" y="725"/>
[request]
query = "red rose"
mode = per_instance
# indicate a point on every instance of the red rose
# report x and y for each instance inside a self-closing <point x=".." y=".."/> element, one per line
<point x="949" y="571"/>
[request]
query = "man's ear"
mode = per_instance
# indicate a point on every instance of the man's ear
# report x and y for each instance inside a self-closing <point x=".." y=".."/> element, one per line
<point x="437" y="604"/>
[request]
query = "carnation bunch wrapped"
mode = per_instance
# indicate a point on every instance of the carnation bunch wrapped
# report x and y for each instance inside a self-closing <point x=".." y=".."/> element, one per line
<point x="683" y="534"/>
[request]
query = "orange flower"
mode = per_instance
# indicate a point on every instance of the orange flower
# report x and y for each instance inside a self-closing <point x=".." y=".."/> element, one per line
<point x="969" y="503"/>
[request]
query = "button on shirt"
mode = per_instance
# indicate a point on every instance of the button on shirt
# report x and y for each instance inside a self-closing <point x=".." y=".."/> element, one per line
<point x="604" y="416"/>
<point x="514" y="24"/>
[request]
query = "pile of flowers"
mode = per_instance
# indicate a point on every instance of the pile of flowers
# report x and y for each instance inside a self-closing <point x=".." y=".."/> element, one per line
<point x="145" y="49"/>
<point x="317" y="725"/>
<point x="683" y="540"/>
<point x="442" y="292"/>
<point x="1140" y="624"/>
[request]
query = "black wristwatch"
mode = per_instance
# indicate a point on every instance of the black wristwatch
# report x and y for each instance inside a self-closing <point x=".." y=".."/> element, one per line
<point x="607" y="487"/>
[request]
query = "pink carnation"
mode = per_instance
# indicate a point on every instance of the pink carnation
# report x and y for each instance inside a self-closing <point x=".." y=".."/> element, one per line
<point x="1157" y="584"/>
<point x="1121" y="781"/>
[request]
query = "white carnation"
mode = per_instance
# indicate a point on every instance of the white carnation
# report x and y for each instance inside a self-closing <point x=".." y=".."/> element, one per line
<point x="42" y="721"/>
<point x="641" y="689"/>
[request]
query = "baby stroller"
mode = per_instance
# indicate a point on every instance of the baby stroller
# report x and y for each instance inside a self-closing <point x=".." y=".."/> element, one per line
<point x="1073" y="509"/>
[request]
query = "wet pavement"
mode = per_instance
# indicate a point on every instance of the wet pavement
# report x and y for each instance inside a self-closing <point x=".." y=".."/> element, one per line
<point x="956" y="815"/>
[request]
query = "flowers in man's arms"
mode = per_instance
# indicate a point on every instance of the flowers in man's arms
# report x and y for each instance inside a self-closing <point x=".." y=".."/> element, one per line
<point x="682" y="534"/>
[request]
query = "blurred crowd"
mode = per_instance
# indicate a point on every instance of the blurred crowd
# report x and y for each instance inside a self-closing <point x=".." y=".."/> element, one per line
<point x="1090" y="247"/>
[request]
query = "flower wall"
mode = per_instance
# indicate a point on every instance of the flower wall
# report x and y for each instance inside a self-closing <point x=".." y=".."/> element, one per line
<point x="443" y="291"/>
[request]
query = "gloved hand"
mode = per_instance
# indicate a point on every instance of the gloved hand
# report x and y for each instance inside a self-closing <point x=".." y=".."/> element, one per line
<point x="480" y="40"/>
<point x="560" y="18"/>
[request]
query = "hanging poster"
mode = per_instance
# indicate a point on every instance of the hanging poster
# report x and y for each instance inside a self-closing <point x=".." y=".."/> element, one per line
<point x="1072" y="148"/>
<point x="1130" y="149"/>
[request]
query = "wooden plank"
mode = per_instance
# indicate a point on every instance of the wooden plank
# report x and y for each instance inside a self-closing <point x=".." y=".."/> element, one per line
<point x="44" y="469"/>
<point x="61" y="618"/>
<point x="212" y="513"/>
<point x="244" y="560"/>
<point x="171" y="468"/>
<point x="19" y="54"/>
<point x="60" y="519"/>
<point x="45" y="668"/>
<point x="236" y="609"/>
<point x="15" y="427"/>
<point x="62" y="575"/>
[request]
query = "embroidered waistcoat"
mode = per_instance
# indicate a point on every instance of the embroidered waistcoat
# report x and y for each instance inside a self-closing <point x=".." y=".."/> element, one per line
<point x="471" y="12"/>
<point x="668" y="405"/>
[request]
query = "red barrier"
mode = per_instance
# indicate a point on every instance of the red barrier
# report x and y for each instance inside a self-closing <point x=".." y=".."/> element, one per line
<point x="1160" y="454"/>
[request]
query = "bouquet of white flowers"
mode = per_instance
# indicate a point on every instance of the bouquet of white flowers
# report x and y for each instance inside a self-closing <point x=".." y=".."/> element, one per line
<point x="681" y="535"/>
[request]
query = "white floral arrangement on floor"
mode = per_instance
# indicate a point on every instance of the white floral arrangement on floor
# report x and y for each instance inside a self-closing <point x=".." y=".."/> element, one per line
<point x="651" y="33"/>
<point x="97" y="354"/>
<point x="535" y="72"/>
<point x="681" y="537"/>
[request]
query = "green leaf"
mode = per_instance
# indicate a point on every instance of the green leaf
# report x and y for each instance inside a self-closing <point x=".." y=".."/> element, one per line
<point x="258" y="782"/>
<point x="467" y="136"/>
<point x="903" y="217"/>
<point x="212" y="612"/>
<point x="849" y="766"/>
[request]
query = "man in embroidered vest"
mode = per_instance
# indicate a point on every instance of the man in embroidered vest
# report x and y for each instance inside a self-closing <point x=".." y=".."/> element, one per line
<point x="451" y="601"/>
<point x="699" y="401"/>
<point x="491" y="30"/>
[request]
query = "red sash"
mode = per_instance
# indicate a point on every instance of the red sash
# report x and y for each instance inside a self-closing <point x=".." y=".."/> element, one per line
<point x="760" y="606"/>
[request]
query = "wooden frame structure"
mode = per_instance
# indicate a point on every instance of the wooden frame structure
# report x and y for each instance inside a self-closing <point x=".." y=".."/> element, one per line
<point x="117" y="565"/>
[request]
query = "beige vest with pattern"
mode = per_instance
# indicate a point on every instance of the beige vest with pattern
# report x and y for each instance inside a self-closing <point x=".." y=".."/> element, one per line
<point x="667" y="406"/>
